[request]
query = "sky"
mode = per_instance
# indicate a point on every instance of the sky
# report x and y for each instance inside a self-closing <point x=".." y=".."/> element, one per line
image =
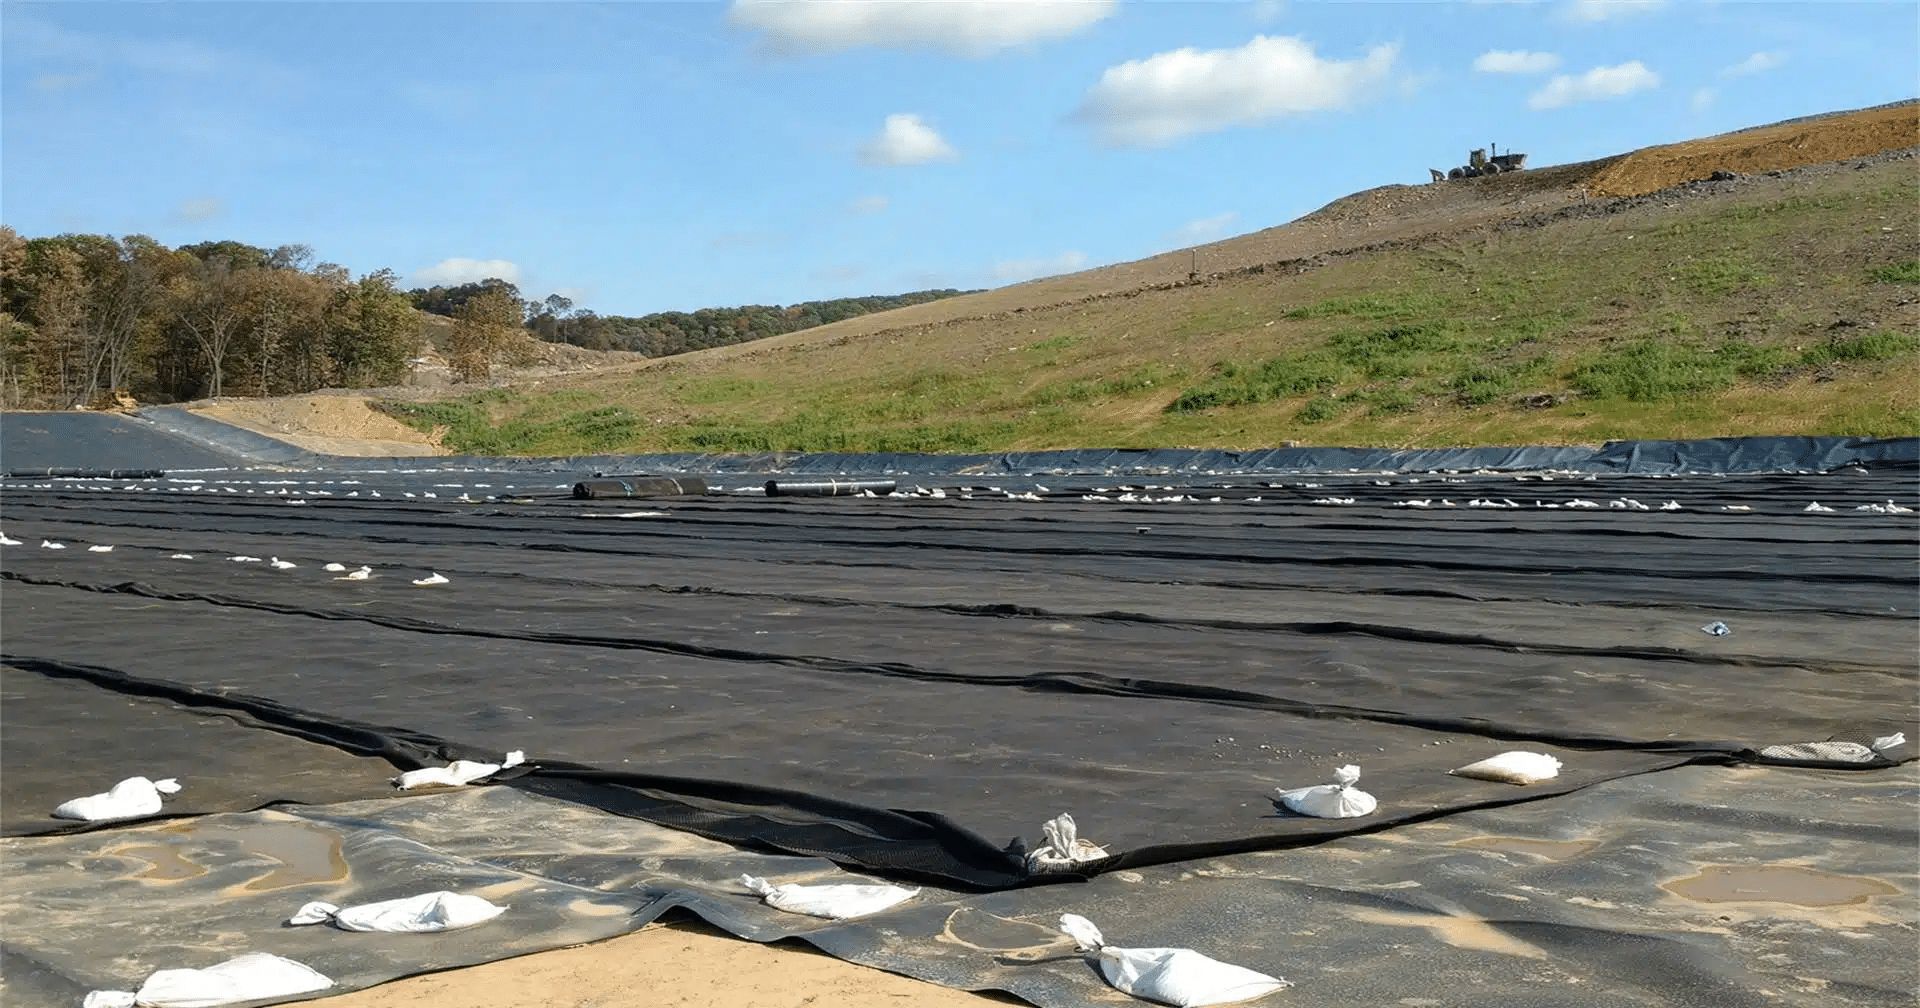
<point x="648" y="156"/>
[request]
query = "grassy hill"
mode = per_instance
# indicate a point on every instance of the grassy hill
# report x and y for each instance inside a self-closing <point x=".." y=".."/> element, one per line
<point x="1515" y="309"/>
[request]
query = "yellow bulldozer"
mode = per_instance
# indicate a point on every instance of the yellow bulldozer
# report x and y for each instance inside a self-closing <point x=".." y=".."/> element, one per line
<point x="1479" y="163"/>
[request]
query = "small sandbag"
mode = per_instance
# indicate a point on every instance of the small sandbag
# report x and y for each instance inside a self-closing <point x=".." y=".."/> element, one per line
<point x="1180" y="977"/>
<point x="1064" y="850"/>
<point x="131" y="798"/>
<point x="422" y="914"/>
<point x="1339" y="800"/>
<point x="835" y="902"/>
<point x="1517" y="767"/>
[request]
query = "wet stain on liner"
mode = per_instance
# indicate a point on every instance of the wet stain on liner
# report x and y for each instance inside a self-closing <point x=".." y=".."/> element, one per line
<point x="1776" y="884"/>
<point x="1552" y="850"/>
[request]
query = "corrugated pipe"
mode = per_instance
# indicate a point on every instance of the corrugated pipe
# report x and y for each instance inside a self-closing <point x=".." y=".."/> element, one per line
<point x="827" y="488"/>
<point x="640" y="486"/>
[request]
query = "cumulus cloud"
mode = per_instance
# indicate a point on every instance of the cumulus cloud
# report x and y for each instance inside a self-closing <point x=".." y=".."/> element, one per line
<point x="1759" y="62"/>
<point x="867" y="206"/>
<point x="453" y="272"/>
<point x="1610" y="10"/>
<point x="1199" y="232"/>
<point x="1703" y="99"/>
<point x="1185" y="91"/>
<point x="906" y="140"/>
<point x="1516" y="61"/>
<point x="966" y="27"/>
<point x="1268" y="10"/>
<point x="1595" y="84"/>
<point x="1016" y="270"/>
<point x="203" y="208"/>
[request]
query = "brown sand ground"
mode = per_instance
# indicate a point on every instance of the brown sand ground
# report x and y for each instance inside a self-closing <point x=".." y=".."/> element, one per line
<point x="332" y="424"/>
<point x="682" y="963"/>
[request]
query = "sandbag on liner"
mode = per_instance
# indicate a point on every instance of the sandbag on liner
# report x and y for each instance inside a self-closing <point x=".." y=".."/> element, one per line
<point x="838" y="902"/>
<point x="1180" y="977"/>
<point x="1339" y="800"/>
<point x="249" y="977"/>
<point x="422" y="914"/>
<point x="135" y="796"/>
<point x="457" y="773"/>
<point x="1064" y="850"/>
<point x="1516" y="767"/>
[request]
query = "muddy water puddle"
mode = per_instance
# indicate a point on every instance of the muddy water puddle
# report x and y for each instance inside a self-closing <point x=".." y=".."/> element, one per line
<point x="1776" y="884"/>
<point x="302" y="853"/>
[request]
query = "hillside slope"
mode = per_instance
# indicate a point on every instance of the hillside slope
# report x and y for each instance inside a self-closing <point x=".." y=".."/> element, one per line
<point x="1500" y="310"/>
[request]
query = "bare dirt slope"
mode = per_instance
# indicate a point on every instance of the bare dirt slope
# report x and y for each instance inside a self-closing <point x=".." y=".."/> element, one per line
<point x="330" y="424"/>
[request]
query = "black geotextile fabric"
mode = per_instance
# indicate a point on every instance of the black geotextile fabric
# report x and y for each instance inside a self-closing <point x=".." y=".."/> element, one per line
<point x="785" y="673"/>
<point x="174" y="438"/>
<point x="1700" y="886"/>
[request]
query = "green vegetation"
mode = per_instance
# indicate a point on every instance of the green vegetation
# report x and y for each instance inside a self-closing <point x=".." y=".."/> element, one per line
<point x="1735" y="315"/>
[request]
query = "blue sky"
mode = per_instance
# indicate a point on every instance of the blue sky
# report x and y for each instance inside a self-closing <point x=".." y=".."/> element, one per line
<point x="647" y="156"/>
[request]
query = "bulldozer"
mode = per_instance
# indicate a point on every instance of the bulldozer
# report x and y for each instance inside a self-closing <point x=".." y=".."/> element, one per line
<point x="1479" y="163"/>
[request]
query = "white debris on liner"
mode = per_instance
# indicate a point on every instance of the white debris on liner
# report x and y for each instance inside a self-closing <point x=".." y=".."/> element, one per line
<point x="457" y="773"/>
<point x="1320" y="500"/>
<point x="1716" y="628"/>
<point x="1670" y="506"/>
<point x="1517" y="767"/>
<point x="50" y="544"/>
<point x="278" y="564"/>
<point x="4" y="541"/>
<point x="1339" y="800"/>
<point x="431" y="579"/>
<point x="422" y="914"/>
<point x="135" y="796"/>
<point x="181" y="556"/>
<point x="1838" y="752"/>
<point x="1064" y="850"/>
<point x="836" y="902"/>
<point x="1816" y="506"/>
<point x="335" y="567"/>
<point x="1736" y="507"/>
<point x="1889" y="507"/>
<point x="99" y="549"/>
<point x="362" y="574"/>
<point x="1578" y="503"/>
<point x="244" y="559"/>
<point x="1180" y="977"/>
<point x="251" y="977"/>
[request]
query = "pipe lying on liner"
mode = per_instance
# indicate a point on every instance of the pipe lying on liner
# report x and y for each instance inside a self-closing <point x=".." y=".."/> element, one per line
<point x="86" y="473"/>
<point x="827" y="488"/>
<point x="640" y="486"/>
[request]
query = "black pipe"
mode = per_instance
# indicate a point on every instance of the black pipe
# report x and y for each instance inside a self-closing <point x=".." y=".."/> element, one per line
<point x="827" y="488"/>
<point x="640" y="486"/>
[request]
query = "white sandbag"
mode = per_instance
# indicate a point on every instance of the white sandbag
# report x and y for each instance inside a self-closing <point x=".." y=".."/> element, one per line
<point x="244" y="978"/>
<point x="1064" y="850"/>
<point x="1339" y="800"/>
<point x="135" y="796"/>
<point x="1837" y="752"/>
<point x="422" y="914"/>
<point x="837" y="902"/>
<point x="1180" y="977"/>
<point x="457" y="773"/>
<point x="1515" y="767"/>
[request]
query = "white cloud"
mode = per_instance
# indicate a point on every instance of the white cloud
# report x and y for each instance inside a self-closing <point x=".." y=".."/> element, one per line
<point x="967" y="27"/>
<point x="1597" y="83"/>
<point x="1759" y="62"/>
<point x="1016" y="270"/>
<point x="867" y="206"/>
<point x="1703" y="99"/>
<point x="1608" y="10"/>
<point x="1515" y="61"/>
<point x="1199" y="232"/>
<point x="1173" y="94"/>
<point x="906" y="140"/>
<point x="201" y="209"/>
<point x="453" y="272"/>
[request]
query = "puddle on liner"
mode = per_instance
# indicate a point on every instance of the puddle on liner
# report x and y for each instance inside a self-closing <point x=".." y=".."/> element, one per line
<point x="1776" y="884"/>
<point x="305" y="853"/>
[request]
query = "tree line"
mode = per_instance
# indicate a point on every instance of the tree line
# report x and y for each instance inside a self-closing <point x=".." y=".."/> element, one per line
<point x="556" y="320"/>
<point x="83" y="317"/>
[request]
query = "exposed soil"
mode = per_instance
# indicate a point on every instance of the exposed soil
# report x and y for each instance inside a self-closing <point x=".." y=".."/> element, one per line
<point x="685" y="964"/>
<point x="331" y="424"/>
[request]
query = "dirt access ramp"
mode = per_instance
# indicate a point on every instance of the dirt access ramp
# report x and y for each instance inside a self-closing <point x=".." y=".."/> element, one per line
<point x="329" y="424"/>
<point x="1781" y="146"/>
